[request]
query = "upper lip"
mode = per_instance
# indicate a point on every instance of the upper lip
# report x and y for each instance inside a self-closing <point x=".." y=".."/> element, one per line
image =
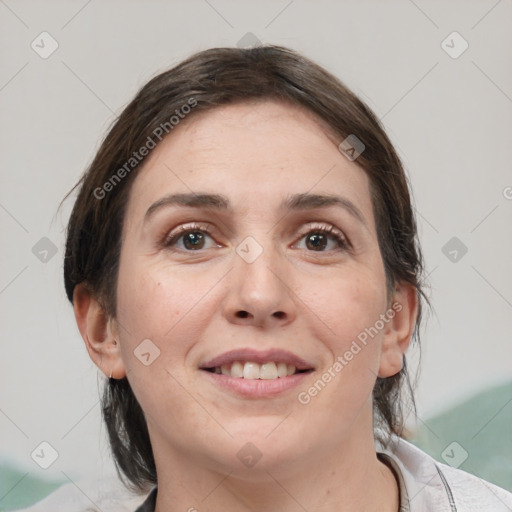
<point x="258" y="356"/>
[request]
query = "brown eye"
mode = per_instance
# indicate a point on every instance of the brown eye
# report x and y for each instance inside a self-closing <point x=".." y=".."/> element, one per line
<point x="193" y="240"/>
<point x="318" y="239"/>
<point x="188" y="239"/>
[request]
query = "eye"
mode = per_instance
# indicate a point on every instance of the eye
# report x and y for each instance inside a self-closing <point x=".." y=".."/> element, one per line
<point x="317" y="239"/>
<point x="192" y="238"/>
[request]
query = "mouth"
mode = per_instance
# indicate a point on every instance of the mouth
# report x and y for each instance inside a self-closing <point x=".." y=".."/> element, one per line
<point x="247" y="363"/>
<point x="251" y="370"/>
<point x="257" y="374"/>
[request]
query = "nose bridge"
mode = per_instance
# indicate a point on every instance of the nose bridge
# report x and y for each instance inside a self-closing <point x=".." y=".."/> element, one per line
<point x="258" y="289"/>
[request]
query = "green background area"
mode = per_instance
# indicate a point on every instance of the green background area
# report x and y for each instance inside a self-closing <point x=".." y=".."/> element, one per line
<point x="20" y="489"/>
<point x="482" y="426"/>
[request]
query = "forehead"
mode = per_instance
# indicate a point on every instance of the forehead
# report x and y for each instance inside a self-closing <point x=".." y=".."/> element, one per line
<point x="255" y="153"/>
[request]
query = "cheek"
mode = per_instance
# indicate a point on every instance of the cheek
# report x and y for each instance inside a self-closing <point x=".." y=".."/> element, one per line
<point x="349" y="306"/>
<point x="164" y="306"/>
<point x="349" y="302"/>
<point x="152" y="305"/>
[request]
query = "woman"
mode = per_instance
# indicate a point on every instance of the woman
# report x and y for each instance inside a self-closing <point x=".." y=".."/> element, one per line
<point x="243" y="263"/>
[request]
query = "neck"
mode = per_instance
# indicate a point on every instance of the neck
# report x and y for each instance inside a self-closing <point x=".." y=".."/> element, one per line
<point x="345" y="478"/>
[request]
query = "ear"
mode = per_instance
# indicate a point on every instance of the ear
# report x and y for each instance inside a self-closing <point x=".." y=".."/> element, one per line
<point x="99" y="333"/>
<point x="398" y="332"/>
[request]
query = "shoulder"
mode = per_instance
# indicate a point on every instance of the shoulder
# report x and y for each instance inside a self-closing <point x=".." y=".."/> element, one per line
<point x="431" y="485"/>
<point x="105" y="495"/>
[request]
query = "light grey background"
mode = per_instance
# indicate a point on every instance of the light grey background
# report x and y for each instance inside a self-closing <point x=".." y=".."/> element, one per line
<point x="449" y="118"/>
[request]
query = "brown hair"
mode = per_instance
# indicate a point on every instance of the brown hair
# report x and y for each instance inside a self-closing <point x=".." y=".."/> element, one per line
<point x="204" y="81"/>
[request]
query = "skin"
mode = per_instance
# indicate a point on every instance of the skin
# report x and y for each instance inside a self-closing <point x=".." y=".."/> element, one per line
<point x="319" y="456"/>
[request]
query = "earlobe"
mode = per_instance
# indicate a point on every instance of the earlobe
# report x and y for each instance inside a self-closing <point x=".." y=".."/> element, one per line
<point x="399" y="330"/>
<point x="98" y="332"/>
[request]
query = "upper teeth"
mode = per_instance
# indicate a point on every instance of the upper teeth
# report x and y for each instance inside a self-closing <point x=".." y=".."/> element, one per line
<point x="252" y="370"/>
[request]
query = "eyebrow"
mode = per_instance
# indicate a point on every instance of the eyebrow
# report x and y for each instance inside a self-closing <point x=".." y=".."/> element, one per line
<point x="295" y="202"/>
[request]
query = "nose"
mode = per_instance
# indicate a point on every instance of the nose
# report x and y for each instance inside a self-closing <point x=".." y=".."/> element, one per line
<point x="260" y="292"/>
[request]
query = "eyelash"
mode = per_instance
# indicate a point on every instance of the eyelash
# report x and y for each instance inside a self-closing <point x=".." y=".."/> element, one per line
<point x="169" y="240"/>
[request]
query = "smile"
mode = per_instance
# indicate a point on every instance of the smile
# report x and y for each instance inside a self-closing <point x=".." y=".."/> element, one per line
<point x="252" y="373"/>
<point x="252" y="370"/>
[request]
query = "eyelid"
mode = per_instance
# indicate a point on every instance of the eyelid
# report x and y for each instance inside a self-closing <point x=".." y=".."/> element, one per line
<point x="322" y="227"/>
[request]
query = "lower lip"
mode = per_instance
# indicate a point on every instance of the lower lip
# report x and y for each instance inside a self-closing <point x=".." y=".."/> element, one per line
<point x="257" y="388"/>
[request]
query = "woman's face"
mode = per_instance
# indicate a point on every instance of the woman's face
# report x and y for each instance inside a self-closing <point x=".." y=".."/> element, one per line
<point x="252" y="278"/>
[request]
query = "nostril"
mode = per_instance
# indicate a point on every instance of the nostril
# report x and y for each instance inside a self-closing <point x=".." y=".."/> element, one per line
<point x="245" y="314"/>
